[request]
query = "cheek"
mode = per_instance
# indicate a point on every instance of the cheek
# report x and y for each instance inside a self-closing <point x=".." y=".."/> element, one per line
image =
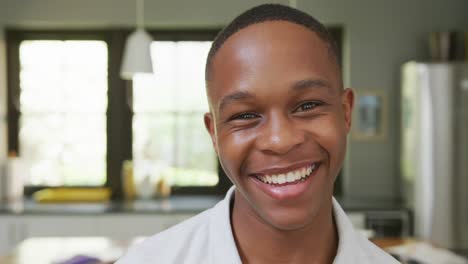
<point x="330" y="134"/>
<point x="234" y="148"/>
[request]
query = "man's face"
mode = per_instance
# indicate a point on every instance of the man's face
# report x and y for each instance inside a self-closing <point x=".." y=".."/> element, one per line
<point x="279" y="120"/>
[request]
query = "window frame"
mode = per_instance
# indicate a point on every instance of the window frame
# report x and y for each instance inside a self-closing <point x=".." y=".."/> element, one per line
<point x="119" y="116"/>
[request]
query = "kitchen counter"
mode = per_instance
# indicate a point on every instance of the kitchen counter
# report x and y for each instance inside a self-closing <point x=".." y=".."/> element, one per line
<point x="175" y="204"/>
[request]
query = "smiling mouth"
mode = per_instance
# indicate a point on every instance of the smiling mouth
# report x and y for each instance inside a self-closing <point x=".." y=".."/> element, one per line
<point x="291" y="177"/>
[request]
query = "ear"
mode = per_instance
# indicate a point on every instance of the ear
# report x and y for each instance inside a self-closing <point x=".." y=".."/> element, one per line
<point x="210" y="127"/>
<point x="347" y="98"/>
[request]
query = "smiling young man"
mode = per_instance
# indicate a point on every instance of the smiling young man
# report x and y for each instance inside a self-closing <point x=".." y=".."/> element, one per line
<point x="279" y="118"/>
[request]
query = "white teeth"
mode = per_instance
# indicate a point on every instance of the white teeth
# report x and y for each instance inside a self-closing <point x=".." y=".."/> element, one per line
<point x="299" y="173"/>
<point x="274" y="179"/>
<point x="281" y="178"/>
<point x="291" y="176"/>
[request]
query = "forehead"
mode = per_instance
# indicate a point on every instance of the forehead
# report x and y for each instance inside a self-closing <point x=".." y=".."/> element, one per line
<point x="269" y="53"/>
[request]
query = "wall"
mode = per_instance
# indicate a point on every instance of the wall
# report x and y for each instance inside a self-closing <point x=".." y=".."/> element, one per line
<point x="379" y="37"/>
<point x="3" y="129"/>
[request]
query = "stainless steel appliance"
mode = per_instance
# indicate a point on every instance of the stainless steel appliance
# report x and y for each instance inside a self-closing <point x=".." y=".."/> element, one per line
<point x="434" y="150"/>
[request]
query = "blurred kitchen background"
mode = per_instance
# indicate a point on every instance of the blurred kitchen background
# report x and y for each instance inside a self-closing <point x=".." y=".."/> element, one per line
<point x="93" y="157"/>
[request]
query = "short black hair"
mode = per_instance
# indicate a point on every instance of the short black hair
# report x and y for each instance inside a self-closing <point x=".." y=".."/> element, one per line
<point x="271" y="12"/>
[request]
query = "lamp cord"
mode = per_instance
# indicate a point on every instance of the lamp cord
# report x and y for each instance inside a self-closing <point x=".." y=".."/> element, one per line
<point x="140" y="13"/>
<point x="293" y="3"/>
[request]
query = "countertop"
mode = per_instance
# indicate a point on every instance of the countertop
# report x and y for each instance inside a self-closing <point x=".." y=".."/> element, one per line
<point x="174" y="204"/>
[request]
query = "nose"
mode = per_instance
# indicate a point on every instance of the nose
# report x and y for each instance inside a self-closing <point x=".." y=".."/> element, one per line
<point x="279" y="135"/>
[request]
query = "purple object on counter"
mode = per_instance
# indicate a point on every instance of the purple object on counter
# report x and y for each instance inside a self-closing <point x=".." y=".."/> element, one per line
<point x="80" y="259"/>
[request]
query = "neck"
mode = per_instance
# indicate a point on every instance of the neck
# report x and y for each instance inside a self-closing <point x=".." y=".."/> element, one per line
<point x="260" y="242"/>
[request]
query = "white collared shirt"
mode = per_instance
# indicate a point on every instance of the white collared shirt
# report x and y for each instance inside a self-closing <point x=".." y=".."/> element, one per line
<point x="207" y="238"/>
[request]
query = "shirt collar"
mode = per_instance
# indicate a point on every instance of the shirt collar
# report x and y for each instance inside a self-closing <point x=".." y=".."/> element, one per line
<point x="224" y="247"/>
<point x="347" y="244"/>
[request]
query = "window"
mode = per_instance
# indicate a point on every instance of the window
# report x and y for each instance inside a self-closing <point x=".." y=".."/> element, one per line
<point x="168" y="129"/>
<point x="65" y="115"/>
<point x="62" y="129"/>
<point x="168" y="133"/>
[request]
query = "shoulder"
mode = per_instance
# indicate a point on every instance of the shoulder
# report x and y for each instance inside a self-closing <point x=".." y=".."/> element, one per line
<point x="204" y="238"/>
<point x="182" y="243"/>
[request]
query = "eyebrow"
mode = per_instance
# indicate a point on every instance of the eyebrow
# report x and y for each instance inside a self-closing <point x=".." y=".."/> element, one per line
<point x="233" y="97"/>
<point x="309" y="83"/>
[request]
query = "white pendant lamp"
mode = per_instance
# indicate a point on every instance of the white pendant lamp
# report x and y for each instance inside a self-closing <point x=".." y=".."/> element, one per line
<point x="137" y="55"/>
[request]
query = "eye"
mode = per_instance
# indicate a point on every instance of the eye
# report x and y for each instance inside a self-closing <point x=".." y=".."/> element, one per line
<point x="244" y="116"/>
<point x="307" y="106"/>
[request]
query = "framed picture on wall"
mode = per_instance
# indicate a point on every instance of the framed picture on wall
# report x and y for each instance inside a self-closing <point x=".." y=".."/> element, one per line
<point x="370" y="113"/>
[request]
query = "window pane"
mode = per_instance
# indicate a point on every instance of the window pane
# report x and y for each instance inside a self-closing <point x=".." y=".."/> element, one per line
<point x="168" y="127"/>
<point x="178" y="83"/>
<point x="154" y="137"/>
<point x="63" y="104"/>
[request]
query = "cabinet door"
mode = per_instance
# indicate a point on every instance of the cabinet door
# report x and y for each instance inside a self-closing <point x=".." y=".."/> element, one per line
<point x="59" y="226"/>
<point x="9" y="234"/>
<point x="126" y="226"/>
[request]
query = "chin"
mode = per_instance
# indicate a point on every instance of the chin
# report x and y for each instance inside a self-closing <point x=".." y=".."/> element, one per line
<point x="291" y="219"/>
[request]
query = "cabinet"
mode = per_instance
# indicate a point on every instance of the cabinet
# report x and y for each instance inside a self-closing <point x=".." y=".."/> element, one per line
<point x="46" y="226"/>
<point x="10" y="233"/>
<point x="16" y="228"/>
<point x="127" y="225"/>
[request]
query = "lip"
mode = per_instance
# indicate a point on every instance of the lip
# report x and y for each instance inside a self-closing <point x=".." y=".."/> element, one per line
<point x="280" y="170"/>
<point x="288" y="191"/>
